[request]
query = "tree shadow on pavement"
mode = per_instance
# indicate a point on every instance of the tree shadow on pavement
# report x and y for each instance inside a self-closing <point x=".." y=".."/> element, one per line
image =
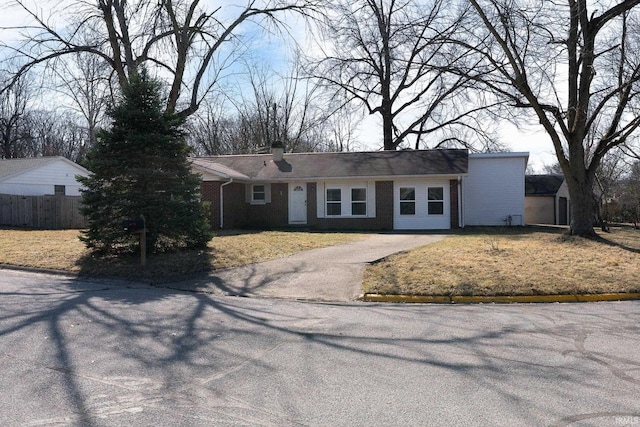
<point x="126" y="348"/>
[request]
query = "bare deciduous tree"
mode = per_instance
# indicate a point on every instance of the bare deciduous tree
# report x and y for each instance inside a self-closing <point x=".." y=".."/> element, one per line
<point x="182" y="39"/>
<point x="284" y="108"/>
<point x="13" y="110"/>
<point x="390" y="56"/>
<point x="85" y="79"/>
<point x="575" y="66"/>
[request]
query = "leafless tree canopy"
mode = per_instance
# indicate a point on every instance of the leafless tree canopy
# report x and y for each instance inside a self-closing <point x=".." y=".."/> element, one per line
<point x="392" y="57"/>
<point x="188" y="42"/>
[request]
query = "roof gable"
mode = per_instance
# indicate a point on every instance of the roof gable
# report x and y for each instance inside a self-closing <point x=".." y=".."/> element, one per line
<point x="261" y="167"/>
<point x="542" y="185"/>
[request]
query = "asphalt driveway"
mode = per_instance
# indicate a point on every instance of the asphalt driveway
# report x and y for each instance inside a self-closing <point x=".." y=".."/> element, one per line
<point x="328" y="274"/>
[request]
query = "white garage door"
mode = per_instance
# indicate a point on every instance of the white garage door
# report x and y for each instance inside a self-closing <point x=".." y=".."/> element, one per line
<point x="421" y="205"/>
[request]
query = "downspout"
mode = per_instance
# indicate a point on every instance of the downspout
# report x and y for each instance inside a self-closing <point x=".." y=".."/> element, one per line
<point x="460" y="210"/>
<point x="222" y="202"/>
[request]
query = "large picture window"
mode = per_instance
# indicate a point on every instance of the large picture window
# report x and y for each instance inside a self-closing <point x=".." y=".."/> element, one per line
<point x="334" y="201"/>
<point x="358" y="201"/>
<point x="435" y="200"/>
<point x="407" y="201"/>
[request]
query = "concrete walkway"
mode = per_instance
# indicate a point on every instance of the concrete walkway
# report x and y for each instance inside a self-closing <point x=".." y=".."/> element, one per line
<point x="328" y="274"/>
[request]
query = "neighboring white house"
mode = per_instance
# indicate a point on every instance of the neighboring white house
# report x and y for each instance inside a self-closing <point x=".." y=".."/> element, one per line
<point x="40" y="176"/>
<point x="494" y="189"/>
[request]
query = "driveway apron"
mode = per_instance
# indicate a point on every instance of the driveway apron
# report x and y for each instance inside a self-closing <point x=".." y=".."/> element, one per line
<point x="328" y="274"/>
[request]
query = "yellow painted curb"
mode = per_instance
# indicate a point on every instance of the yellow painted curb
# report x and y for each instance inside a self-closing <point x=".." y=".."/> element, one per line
<point x="498" y="299"/>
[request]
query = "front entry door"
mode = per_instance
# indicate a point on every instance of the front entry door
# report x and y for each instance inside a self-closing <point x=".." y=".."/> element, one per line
<point x="298" y="203"/>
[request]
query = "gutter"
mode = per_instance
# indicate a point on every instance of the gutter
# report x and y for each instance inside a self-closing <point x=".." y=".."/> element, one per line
<point x="222" y="202"/>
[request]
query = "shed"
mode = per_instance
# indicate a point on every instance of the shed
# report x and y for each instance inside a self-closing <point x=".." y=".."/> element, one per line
<point x="547" y="199"/>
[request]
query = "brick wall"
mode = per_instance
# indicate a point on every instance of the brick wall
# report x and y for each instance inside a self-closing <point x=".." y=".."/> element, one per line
<point x="384" y="204"/>
<point x="210" y="192"/>
<point x="270" y="215"/>
<point x="239" y="214"/>
<point x="235" y="206"/>
<point x="453" y="200"/>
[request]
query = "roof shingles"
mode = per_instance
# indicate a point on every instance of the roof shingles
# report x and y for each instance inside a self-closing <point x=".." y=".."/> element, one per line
<point x="542" y="185"/>
<point x="9" y="167"/>
<point x="294" y="166"/>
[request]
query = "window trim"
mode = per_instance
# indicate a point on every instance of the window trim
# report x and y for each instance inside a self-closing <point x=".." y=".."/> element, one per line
<point x="407" y="202"/>
<point x="431" y="202"/>
<point x="362" y="202"/>
<point x="333" y="202"/>
<point x="346" y="201"/>
<point x="249" y="193"/>
<point x="255" y="200"/>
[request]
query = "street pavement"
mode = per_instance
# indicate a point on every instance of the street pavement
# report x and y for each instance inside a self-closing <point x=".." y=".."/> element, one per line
<point x="77" y="352"/>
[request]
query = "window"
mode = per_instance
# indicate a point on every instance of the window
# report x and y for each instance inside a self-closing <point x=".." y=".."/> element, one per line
<point x="59" y="190"/>
<point x="358" y="201"/>
<point x="258" y="193"/>
<point x="407" y="201"/>
<point x="334" y="201"/>
<point x="435" y="200"/>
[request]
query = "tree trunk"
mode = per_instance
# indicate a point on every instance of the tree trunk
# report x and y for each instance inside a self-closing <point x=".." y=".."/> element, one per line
<point x="387" y="132"/>
<point x="583" y="205"/>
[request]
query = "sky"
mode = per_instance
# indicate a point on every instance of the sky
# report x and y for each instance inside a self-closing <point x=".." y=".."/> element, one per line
<point x="531" y="140"/>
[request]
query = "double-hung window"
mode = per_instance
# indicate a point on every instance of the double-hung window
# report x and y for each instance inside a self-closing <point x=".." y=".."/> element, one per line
<point x="435" y="200"/>
<point x="407" y="201"/>
<point x="346" y="201"/>
<point x="258" y="194"/>
<point x="358" y="201"/>
<point x="334" y="202"/>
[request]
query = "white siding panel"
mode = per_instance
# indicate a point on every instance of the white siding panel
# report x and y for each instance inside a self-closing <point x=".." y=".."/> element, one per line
<point x="320" y="199"/>
<point x="494" y="190"/>
<point x="42" y="180"/>
<point x="371" y="199"/>
<point x="421" y="220"/>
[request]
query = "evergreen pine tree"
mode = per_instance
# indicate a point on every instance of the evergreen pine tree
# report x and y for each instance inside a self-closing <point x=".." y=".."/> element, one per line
<point x="140" y="168"/>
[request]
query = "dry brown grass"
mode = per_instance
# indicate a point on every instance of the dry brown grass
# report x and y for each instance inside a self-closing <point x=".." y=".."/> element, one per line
<point x="62" y="250"/>
<point x="513" y="262"/>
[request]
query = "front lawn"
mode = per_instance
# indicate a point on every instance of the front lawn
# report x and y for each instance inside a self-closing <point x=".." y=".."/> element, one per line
<point x="515" y="261"/>
<point x="61" y="250"/>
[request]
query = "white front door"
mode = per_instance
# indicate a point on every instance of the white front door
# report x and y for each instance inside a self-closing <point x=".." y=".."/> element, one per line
<point x="297" y="203"/>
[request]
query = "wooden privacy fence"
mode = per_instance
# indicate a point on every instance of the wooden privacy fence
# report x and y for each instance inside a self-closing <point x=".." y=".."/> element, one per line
<point x="50" y="212"/>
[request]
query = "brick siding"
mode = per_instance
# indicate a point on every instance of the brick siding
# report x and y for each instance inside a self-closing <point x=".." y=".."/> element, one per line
<point x="240" y="214"/>
<point x="210" y="193"/>
<point x="453" y="201"/>
<point x="270" y="215"/>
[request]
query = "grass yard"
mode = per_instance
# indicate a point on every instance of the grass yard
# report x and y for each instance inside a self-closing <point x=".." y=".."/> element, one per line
<point x="515" y="261"/>
<point x="525" y="261"/>
<point x="61" y="250"/>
